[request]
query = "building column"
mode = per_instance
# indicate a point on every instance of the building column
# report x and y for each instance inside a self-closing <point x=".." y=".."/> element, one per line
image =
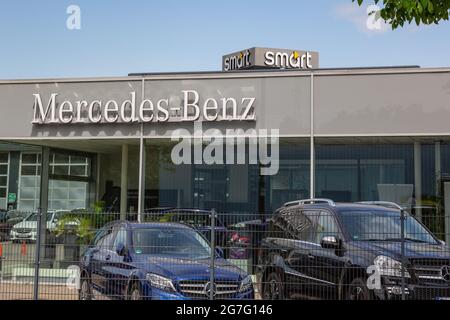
<point x="418" y="179"/>
<point x="141" y="196"/>
<point x="437" y="168"/>
<point x="124" y="183"/>
<point x="312" y="156"/>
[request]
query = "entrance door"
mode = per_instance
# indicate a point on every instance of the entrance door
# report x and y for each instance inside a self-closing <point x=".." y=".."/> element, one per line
<point x="447" y="210"/>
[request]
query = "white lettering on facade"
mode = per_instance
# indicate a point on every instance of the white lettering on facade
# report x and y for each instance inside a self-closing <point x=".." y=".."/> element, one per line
<point x="191" y="107"/>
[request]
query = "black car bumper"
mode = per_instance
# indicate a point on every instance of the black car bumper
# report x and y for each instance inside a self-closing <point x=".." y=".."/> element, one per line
<point x="413" y="292"/>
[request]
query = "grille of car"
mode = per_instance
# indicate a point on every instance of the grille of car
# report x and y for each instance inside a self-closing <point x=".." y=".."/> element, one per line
<point x="23" y="230"/>
<point x="198" y="289"/>
<point x="432" y="271"/>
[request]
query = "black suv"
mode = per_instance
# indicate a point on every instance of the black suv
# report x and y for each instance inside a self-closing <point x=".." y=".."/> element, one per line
<point x="324" y="250"/>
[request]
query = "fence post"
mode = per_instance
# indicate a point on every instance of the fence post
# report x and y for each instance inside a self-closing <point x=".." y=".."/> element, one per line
<point x="42" y="212"/>
<point x="213" y="255"/>
<point x="402" y="237"/>
<point x="37" y="260"/>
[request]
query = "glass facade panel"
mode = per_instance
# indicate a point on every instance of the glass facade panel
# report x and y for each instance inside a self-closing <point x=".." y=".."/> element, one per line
<point x="365" y="172"/>
<point x="395" y="170"/>
<point x="238" y="189"/>
<point x="64" y="194"/>
<point x="4" y="168"/>
<point x="29" y="181"/>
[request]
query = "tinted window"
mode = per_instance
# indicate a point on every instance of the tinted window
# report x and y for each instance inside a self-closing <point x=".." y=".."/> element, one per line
<point x="180" y="243"/>
<point x="383" y="226"/>
<point x="121" y="237"/>
<point x="292" y="224"/>
<point x="326" y="226"/>
<point x="105" y="238"/>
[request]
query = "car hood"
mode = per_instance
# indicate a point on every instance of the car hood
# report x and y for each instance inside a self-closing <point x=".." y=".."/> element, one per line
<point x="180" y="269"/>
<point x="30" y="225"/>
<point x="413" y="250"/>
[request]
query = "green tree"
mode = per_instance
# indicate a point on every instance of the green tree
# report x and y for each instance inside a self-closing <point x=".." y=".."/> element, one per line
<point x="399" y="12"/>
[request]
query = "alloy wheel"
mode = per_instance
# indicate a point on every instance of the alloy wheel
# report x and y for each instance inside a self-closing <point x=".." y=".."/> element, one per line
<point x="85" y="290"/>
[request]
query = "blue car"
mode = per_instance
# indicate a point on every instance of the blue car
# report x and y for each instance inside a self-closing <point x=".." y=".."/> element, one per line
<point x="161" y="261"/>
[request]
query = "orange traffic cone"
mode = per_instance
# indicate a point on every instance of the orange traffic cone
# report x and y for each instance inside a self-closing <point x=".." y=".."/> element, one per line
<point x="1" y="250"/>
<point x="23" y="249"/>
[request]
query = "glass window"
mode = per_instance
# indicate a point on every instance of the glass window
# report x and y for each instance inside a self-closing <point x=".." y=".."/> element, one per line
<point x="383" y="226"/>
<point x="4" y="157"/>
<point x="365" y="172"/>
<point x="29" y="158"/>
<point x="2" y="192"/>
<point x="3" y="169"/>
<point x="293" y="224"/>
<point x="29" y="181"/>
<point x="76" y="170"/>
<point x="326" y="226"/>
<point x="61" y="158"/>
<point x="105" y="238"/>
<point x="28" y="170"/>
<point x="180" y="243"/>
<point x="61" y="170"/>
<point x="121" y="237"/>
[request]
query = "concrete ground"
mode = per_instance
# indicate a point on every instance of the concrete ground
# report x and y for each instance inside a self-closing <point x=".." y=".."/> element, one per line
<point x="17" y="256"/>
<point x="24" y="291"/>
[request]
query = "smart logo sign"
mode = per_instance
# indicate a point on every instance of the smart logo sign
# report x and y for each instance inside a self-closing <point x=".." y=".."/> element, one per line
<point x="267" y="58"/>
<point x="237" y="61"/>
<point x="187" y="105"/>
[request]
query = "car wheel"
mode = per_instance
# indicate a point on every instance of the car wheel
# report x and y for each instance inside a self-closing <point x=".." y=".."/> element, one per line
<point x="85" y="292"/>
<point x="273" y="288"/>
<point x="358" y="290"/>
<point x="135" y="292"/>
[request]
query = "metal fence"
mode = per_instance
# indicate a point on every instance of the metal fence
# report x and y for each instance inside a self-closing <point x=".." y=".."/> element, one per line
<point x="314" y="249"/>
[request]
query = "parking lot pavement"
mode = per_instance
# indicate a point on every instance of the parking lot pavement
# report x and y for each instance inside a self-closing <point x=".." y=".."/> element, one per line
<point x="16" y="255"/>
<point x="24" y="291"/>
<point x="19" y="259"/>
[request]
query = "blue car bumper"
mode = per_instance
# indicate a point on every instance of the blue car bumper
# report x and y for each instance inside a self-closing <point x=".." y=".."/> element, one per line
<point x="156" y="294"/>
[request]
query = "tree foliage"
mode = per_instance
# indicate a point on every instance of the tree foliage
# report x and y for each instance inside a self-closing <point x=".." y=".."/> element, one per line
<point x="399" y="12"/>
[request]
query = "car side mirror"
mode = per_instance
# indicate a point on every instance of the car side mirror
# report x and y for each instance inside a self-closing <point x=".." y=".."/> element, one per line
<point x="120" y="249"/>
<point x="330" y="242"/>
<point x="219" y="252"/>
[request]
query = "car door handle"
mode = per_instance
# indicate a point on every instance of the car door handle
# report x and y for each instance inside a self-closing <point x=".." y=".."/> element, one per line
<point x="108" y="257"/>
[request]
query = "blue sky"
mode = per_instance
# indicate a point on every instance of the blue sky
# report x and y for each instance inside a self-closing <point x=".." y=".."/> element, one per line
<point x="119" y="37"/>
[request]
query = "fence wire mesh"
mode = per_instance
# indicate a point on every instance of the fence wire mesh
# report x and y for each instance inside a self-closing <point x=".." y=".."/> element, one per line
<point x="305" y="250"/>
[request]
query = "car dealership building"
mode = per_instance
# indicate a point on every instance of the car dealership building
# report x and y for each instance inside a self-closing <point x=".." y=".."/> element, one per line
<point x="347" y="134"/>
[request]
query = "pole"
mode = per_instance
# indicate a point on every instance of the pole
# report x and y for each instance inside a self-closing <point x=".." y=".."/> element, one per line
<point x="37" y="256"/>
<point x="213" y="255"/>
<point x="42" y="212"/>
<point x="402" y="237"/>
<point x="124" y="183"/>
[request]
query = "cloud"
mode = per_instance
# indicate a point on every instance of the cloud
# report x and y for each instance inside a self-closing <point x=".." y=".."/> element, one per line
<point x="360" y="18"/>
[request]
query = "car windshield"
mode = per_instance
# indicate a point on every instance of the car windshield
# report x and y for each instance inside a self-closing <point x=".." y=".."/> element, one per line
<point x="383" y="226"/>
<point x="195" y="219"/>
<point x="176" y="243"/>
<point x="34" y="216"/>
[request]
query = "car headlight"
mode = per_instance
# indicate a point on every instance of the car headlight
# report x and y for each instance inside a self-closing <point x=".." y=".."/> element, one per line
<point x="246" y="284"/>
<point x="160" y="282"/>
<point x="389" y="267"/>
